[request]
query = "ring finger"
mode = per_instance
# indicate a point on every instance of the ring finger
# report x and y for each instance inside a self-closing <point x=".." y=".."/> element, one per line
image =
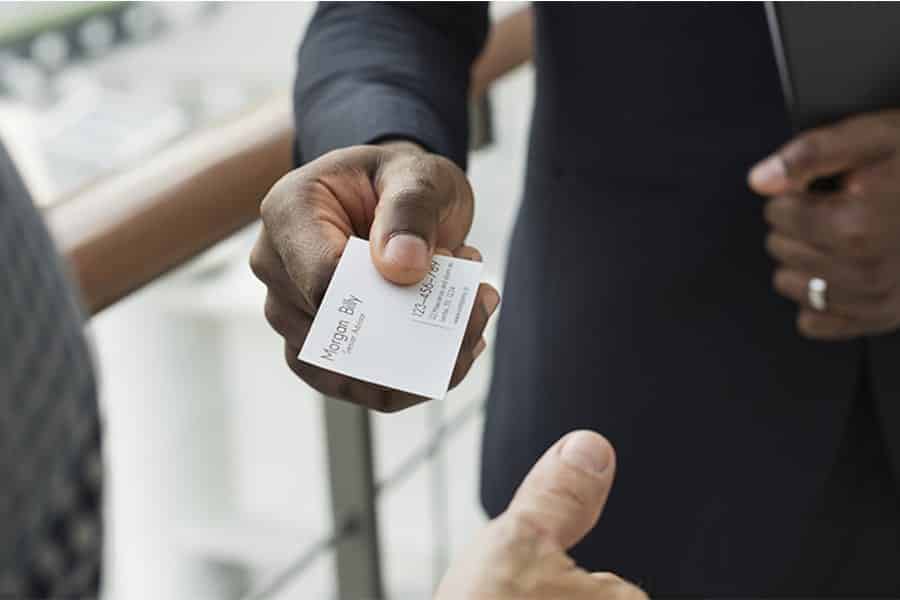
<point x="839" y="300"/>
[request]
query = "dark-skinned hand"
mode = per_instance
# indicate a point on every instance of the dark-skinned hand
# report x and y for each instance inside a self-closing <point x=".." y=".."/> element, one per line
<point x="849" y="237"/>
<point x="410" y="205"/>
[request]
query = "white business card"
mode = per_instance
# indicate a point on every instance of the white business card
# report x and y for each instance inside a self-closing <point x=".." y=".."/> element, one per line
<point x="402" y="337"/>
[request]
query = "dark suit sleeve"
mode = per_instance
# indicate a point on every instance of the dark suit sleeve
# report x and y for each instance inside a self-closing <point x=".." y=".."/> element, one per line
<point x="371" y="71"/>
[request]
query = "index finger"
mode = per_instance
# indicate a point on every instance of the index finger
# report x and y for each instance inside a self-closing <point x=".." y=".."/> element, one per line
<point x="824" y="152"/>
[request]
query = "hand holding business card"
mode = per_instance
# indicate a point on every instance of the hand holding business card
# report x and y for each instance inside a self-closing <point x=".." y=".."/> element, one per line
<point x="402" y="337"/>
<point x="413" y="207"/>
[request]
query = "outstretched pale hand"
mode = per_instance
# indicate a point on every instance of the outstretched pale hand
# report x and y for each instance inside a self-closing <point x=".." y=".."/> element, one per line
<point x="521" y="555"/>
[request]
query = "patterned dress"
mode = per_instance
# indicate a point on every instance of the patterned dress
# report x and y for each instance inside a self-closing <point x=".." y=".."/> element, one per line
<point x="50" y="467"/>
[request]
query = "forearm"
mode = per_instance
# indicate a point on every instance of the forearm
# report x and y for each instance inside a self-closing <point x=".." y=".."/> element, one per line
<point x="371" y="72"/>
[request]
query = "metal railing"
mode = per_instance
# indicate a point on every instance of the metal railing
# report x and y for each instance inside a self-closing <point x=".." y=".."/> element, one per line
<point x="354" y="538"/>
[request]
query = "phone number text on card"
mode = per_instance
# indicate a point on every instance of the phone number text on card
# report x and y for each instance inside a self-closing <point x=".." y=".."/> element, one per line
<point x="436" y="296"/>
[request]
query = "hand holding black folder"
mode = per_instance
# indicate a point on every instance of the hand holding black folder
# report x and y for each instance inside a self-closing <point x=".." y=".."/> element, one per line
<point x="838" y="252"/>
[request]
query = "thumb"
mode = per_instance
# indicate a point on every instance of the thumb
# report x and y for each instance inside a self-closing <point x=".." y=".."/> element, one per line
<point x="824" y="152"/>
<point x="424" y="203"/>
<point x="564" y="493"/>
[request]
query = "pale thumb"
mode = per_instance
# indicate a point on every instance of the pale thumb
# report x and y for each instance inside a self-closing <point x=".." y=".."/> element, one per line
<point x="565" y="492"/>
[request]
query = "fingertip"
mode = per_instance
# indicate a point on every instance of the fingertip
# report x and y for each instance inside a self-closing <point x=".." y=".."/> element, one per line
<point x="468" y="253"/>
<point x="768" y="176"/>
<point x="491" y="298"/>
<point x="405" y="259"/>
<point x="588" y="451"/>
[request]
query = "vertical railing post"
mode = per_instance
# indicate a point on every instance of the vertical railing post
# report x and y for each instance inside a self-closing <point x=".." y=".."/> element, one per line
<point x="440" y="496"/>
<point x="352" y="481"/>
<point x="481" y="123"/>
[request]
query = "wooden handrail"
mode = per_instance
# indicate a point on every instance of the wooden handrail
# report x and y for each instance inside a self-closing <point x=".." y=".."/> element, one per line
<point x="133" y="228"/>
<point x="509" y="45"/>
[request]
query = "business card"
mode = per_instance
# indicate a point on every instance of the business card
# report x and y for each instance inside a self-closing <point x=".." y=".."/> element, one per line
<point x="402" y="337"/>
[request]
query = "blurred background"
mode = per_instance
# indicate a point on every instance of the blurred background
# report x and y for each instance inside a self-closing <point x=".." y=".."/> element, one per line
<point x="216" y="455"/>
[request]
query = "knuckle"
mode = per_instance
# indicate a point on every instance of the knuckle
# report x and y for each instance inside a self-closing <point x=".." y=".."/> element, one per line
<point x="781" y="281"/>
<point x="267" y="206"/>
<point x="442" y="163"/>
<point x="461" y="186"/>
<point x="434" y="167"/>
<point x="315" y="282"/>
<point x="568" y="498"/>
<point x="273" y="314"/>
<point x="326" y="255"/>
<point x="412" y="197"/>
<point x="770" y="212"/>
<point x="517" y="534"/>
<point x="436" y="179"/>
<point x="259" y="262"/>
<point x="273" y="203"/>
<point x="411" y="210"/>
<point x="293" y="199"/>
<point x="773" y="245"/>
<point x="781" y="212"/>
<point x="807" y="149"/>
<point x="793" y="255"/>
<point x="521" y="526"/>
<point x="425" y="174"/>
<point x="514" y="556"/>
<point x="422" y="170"/>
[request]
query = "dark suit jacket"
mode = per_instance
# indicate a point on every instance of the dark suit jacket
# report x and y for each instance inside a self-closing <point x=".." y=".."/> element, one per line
<point x="638" y="300"/>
